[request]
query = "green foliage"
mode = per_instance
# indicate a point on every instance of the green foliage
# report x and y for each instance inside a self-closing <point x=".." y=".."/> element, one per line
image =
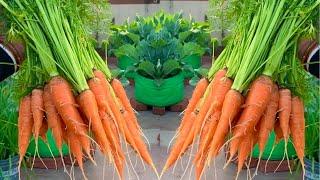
<point x="185" y="30"/>
<point x="159" y="71"/>
<point x="312" y="116"/>
<point x="127" y="50"/>
<point x="192" y="48"/>
<point x="8" y="120"/>
<point x="96" y="16"/>
<point x="159" y="46"/>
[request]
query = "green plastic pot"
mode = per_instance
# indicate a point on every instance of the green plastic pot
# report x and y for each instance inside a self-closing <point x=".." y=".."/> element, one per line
<point x="44" y="151"/>
<point x="124" y="62"/>
<point x="170" y="92"/>
<point x="278" y="152"/>
<point x="194" y="61"/>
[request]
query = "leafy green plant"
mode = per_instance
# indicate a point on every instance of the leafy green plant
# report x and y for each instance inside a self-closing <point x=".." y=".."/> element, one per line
<point x="8" y="120"/>
<point x="160" y="71"/>
<point x="159" y="46"/>
<point x="185" y="30"/>
<point x="96" y="16"/>
<point x="312" y="115"/>
<point x="192" y="48"/>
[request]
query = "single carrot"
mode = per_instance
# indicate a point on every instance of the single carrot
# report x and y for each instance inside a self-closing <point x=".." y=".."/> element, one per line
<point x="88" y="104"/>
<point x="284" y="112"/>
<point x="53" y="118"/>
<point x="25" y="125"/>
<point x="99" y="91"/>
<point x="297" y="128"/>
<point x="230" y="109"/>
<point x="37" y="108"/>
<point x="121" y="94"/>
<point x="268" y="119"/>
<point x="66" y="106"/>
<point x="196" y="96"/>
<point x="43" y="130"/>
<point x="255" y="104"/>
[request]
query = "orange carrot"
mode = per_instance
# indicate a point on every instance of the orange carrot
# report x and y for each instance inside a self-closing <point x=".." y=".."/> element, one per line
<point x="88" y="104"/>
<point x="25" y="125"/>
<point x="200" y="163"/>
<point x="111" y="135"/>
<point x="75" y="148"/>
<point x="99" y="91"/>
<point x="278" y="131"/>
<point x="141" y="146"/>
<point x="65" y="104"/>
<point x="205" y="129"/>
<point x="43" y="130"/>
<point x="230" y="109"/>
<point x="118" y="161"/>
<point x="176" y="149"/>
<point x="297" y="128"/>
<point x="37" y="108"/>
<point x="196" y="96"/>
<point x="204" y="145"/>
<point x="121" y="94"/>
<point x="255" y="104"/>
<point x="268" y="119"/>
<point x="245" y="149"/>
<point x="284" y="112"/>
<point x="53" y="118"/>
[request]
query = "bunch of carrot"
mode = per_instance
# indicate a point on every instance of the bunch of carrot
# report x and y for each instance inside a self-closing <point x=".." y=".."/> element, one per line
<point x="247" y="93"/>
<point x="78" y="100"/>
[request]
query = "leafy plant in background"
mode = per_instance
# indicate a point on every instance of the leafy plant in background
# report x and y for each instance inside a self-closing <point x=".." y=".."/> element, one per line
<point x="312" y="115"/>
<point x="185" y="30"/>
<point x="8" y="120"/>
<point x="3" y="21"/>
<point x="96" y="16"/>
<point x="160" y="45"/>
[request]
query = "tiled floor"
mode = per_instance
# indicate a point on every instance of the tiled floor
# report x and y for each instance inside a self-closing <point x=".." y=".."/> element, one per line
<point x="159" y="130"/>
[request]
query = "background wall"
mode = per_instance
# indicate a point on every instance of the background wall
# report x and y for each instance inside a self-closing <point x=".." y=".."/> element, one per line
<point x="121" y="10"/>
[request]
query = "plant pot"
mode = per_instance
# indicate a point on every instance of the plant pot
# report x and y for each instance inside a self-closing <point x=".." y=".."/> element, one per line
<point x="9" y="168"/>
<point x="43" y="149"/>
<point x="170" y="92"/>
<point x="278" y="151"/>
<point x="312" y="170"/>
